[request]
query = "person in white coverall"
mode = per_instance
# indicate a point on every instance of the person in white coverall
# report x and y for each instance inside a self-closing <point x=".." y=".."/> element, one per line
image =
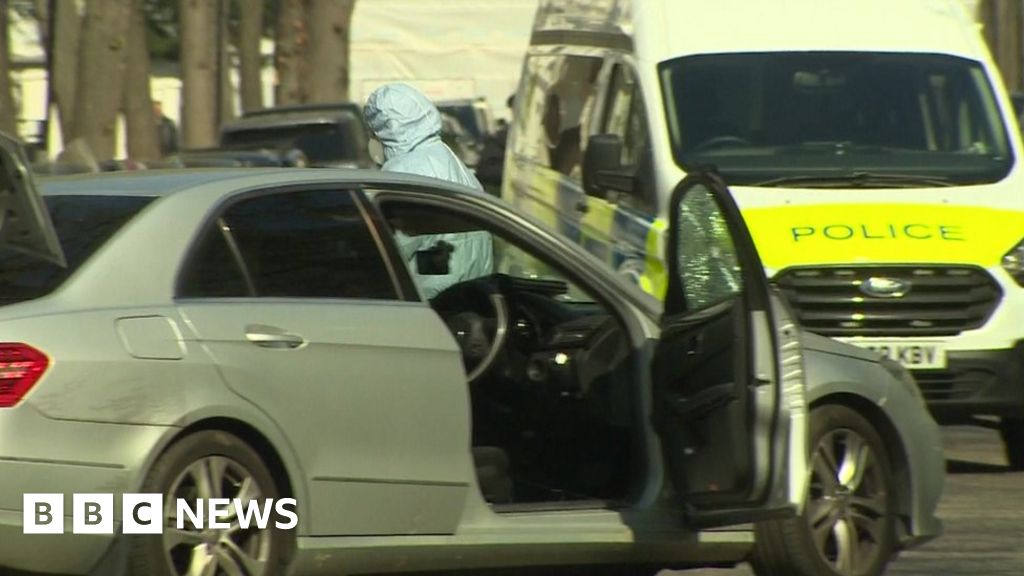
<point x="408" y="126"/>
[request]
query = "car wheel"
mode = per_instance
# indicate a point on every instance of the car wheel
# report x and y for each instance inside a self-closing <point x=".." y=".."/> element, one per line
<point x="1012" y="431"/>
<point x="211" y="464"/>
<point x="847" y="527"/>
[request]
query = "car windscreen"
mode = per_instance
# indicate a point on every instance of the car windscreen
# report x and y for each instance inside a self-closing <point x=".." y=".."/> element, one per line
<point x="764" y="117"/>
<point x="322" y="143"/>
<point x="83" y="224"/>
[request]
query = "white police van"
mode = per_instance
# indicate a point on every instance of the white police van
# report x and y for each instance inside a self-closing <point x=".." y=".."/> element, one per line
<point x="870" y="145"/>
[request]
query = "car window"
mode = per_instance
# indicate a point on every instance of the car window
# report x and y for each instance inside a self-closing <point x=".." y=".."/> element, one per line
<point x="307" y="244"/>
<point x="708" y="260"/>
<point x="83" y="224"/>
<point x="559" y="101"/>
<point x="322" y="143"/>
<point x="426" y="234"/>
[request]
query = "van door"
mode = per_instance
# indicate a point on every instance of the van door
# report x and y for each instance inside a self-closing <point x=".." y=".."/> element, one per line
<point x="24" y="220"/>
<point x="716" y="371"/>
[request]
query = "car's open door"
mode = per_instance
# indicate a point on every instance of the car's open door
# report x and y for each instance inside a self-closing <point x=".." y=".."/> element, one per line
<point x="24" y="220"/>
<point x="718" y="405"/>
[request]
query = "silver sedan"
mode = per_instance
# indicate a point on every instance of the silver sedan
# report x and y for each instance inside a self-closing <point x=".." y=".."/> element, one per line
<point x="259" y="337"/>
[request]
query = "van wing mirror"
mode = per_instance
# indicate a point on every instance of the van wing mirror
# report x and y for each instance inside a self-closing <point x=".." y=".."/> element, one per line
<point x="602" y="166"/>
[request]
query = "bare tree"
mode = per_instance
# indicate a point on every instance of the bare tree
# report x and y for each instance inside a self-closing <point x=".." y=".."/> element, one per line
<point x="226" y="92"/>
<point x="140" y="120"/>
<point x="8" y="112"/>
<point x="103" y="46"/>
<point x="330" y="23"/>
<point x="292" y="44"/>
<point x="249" y="55"/>
<point x="66" y="26"/>
<point x="199" y="78"/>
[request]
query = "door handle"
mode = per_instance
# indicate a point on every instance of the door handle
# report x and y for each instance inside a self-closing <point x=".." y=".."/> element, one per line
<point x="272" y="337"/>
<point x="582" y="207"/>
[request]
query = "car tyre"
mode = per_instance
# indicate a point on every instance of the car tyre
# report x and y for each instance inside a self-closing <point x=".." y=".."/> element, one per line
<point x="847" y="527"/>
<point x="211" y="464"/>
<point x="1012" y="431"/>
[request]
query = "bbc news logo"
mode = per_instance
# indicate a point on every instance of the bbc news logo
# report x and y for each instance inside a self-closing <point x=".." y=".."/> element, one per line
<point x="143" y="514"/>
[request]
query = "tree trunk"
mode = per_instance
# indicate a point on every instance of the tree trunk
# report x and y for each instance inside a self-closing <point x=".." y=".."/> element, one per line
<point x="226" y="93"/>
<point x="140" y="122"/>
<point x="97" y="99"/>
<point x="67" y="28"/>
<point x="1009" y="52"/>
<point x="290" y="52"/>
<point x="199" y="73"/>
<point x="8" y="113"/>
<point x="329" y="32"/>
<point x="250" y="58"/>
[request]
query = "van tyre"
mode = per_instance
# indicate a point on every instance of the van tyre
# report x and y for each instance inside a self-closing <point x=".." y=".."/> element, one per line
<point x="848" y="524"/>
<point x="1012" y="431"/>
<point x="211" y="464"/>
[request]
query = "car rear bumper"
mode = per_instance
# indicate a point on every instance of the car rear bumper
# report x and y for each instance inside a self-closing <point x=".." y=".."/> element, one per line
<point x="40" y="455"/>
<point x="976" y="383"/>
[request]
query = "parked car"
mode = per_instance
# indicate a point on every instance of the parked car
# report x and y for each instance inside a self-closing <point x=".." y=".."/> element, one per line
<point x="329" y="135"/>
<point x="258" y="333"/>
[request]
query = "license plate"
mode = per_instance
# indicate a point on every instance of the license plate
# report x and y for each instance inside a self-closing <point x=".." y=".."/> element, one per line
<point x="913" y="355"/>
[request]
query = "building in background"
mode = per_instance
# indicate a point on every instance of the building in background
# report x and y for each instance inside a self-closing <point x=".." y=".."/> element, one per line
<point x="449" y="49"/>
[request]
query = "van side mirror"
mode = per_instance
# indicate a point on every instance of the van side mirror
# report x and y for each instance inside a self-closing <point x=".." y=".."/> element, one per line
<point x="602" y="166"/>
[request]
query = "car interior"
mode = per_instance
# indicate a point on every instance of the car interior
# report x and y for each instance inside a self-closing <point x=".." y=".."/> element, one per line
<point x="547" y="365"/>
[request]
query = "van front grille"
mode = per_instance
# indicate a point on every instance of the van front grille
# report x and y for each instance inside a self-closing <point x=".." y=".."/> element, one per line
<point x="890" y="300"/>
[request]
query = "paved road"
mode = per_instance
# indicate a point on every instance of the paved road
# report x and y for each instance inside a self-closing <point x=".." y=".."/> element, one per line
<point x="982" y="509"/>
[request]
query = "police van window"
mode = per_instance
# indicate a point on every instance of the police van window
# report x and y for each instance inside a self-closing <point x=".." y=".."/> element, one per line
<point x="553" y="120"/>
<point x="626" y="116"/>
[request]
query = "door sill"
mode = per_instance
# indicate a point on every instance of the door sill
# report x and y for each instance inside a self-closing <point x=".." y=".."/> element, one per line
<point x="561" y="506"/>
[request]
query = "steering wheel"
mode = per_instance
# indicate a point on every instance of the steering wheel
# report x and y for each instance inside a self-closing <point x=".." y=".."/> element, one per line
<point x="720" y="141"/>
<point x="477" y="314"/>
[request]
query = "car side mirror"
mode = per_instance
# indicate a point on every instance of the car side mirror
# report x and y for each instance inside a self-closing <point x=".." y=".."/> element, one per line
<point x="602" y="166"/>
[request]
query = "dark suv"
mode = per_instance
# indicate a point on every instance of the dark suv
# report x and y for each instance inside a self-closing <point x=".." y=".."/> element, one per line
<point x="331" y="135"/>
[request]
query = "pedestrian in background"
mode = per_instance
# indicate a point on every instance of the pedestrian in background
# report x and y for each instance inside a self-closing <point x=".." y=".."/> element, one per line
<point x="491" y="167"/>
<point x="167" y="132"/>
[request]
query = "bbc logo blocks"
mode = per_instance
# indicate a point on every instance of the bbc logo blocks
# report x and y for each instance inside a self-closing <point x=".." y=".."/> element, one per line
<point x="92" y="514"/>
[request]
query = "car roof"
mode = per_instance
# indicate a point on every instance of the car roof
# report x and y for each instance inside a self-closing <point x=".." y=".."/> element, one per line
<point x="174" y="180"/>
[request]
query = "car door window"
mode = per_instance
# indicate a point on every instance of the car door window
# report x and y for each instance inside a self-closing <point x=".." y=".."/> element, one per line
<point x="708" y="259"/>
<point x="304" y="244"/>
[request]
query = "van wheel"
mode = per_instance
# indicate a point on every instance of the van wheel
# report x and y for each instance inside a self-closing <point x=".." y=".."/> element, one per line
<point x="847" y="527"/>
<point x="1012" y="431"/>
<point x="211" y="464"/>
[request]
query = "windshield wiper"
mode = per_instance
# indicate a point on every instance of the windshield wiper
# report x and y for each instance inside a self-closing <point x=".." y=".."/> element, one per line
<point x="859" y="180"/>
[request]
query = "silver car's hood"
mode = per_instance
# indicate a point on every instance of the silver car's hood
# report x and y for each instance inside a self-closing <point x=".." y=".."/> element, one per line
<point x="820" y="343"/>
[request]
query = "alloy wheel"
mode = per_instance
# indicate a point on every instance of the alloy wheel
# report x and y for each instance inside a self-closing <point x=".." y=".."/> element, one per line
<point x="231" y="551"/>
<point x="848" y="504"/>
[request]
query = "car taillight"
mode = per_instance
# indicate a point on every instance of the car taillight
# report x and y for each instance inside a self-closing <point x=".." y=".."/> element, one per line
<point x="21" y="366"/>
